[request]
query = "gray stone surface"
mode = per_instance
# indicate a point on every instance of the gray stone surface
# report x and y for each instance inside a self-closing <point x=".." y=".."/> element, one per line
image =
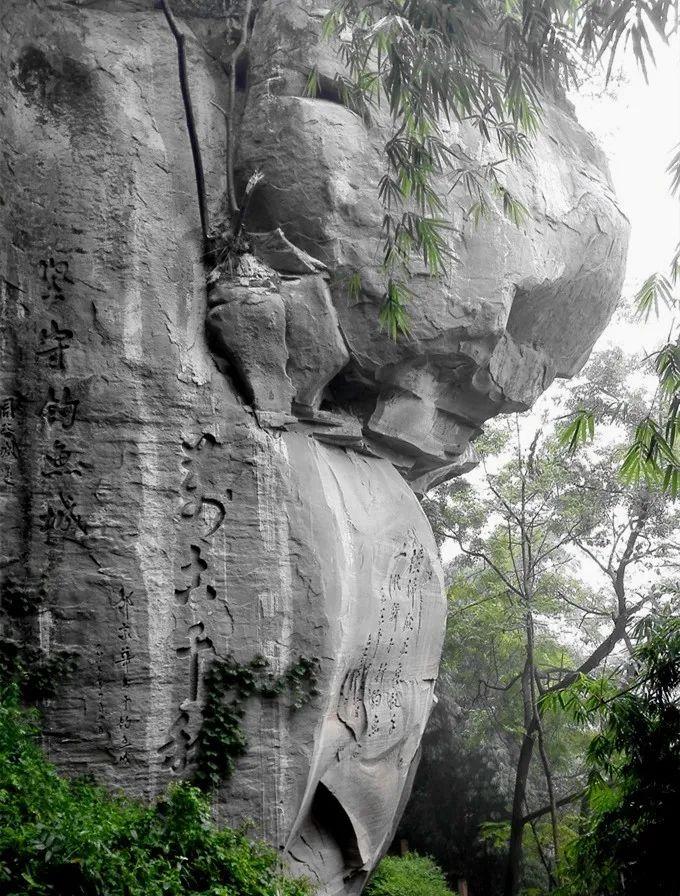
<point x="522" y="305"/>
<point x="186" y="474"/>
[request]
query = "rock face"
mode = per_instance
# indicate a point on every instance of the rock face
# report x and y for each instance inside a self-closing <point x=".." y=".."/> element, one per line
<point x="187" y="476"/>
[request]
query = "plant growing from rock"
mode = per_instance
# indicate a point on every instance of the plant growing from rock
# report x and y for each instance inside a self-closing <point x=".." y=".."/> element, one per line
<point x="484" y="65"/>
<point x="228" y="686"/>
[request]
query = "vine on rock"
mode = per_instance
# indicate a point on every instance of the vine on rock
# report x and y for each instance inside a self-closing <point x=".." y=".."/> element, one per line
<point x="229" y="684"/>
<point x="36" y="673"/>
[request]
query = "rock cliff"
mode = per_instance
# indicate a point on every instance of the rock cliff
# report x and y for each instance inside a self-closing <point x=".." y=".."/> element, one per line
<point x="187" y="475"/>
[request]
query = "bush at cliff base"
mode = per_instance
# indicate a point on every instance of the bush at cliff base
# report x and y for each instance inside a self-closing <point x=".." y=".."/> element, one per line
<point x="409" y="875"/>
<point x="71" y="838"/>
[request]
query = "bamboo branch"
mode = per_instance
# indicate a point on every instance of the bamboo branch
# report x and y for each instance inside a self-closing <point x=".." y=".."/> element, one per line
<point x="542" y="856"/>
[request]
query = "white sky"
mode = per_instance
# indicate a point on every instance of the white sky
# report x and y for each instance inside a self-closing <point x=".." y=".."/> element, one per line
<point x="638" y="126"/>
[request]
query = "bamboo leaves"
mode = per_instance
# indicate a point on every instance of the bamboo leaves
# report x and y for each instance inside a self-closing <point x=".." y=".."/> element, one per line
<point x="419" y="59"/>
<point x="654" y="291"/>
<point x="579" y="430"/>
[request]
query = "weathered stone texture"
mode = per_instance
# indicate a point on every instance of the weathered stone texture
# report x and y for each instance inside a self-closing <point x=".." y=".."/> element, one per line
<point x="185" y="476"/>
<point x="521" y="306"/>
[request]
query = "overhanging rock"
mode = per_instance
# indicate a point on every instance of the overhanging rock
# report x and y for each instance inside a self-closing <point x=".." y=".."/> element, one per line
<point x="187" y="474"/>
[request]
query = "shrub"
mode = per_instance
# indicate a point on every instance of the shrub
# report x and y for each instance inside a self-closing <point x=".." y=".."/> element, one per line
<point x="72" y="838"/>
<point x="409" y="875"/>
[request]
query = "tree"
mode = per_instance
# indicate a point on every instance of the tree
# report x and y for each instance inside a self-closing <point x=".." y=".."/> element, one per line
<point x="460" y="785"/>
<point x="634" y="784"/>
<point x="651" y="456"/>
<point x="520" y="538"/>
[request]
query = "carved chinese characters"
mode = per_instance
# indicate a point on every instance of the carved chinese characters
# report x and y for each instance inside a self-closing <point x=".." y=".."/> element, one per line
<point x="9" y="448"/>
<point x="372" y="694"/>
<point x="198" y="614"/>
<point x="124" y="605"/>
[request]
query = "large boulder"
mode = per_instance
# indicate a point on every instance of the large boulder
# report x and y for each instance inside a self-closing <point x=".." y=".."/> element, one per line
<point x="188" y="475"/>
<point x="520" y="305"/>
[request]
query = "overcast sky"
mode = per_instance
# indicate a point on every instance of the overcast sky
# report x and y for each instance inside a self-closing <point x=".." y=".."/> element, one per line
<point x="638" y="125"/>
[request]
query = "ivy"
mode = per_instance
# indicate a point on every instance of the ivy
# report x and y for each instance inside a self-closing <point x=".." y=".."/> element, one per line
<point x="34" y="671"/>
<point x="229" y="685"/>
<point x="19" y="600"/>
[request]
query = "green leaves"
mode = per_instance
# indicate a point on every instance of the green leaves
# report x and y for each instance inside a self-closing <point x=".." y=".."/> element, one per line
<point x="409" y="875"/>
<point x="579" y="430"/>
<point x="603" y="28"/>
<point x="668" y="368"/>
<point x="312" y="85"/>
<point x="674" y="171"/>
<point x="419" y="58"/>
<point x="583" y="701"/>
<point x="512" y="208"/>
<point x="675" y="266"/>
<point x="634" y="780"/>
<point x="393" y="316"/>
<point x="656" y="289"/>
<point x="651" y="459"/>
<point x="61" y="836"/>
<point x="228" y="685"/>
<point x="354" y="286"/>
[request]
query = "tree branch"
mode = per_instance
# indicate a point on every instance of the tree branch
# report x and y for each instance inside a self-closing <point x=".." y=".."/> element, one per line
<point x="235" y="56"/>
<point x="180" y="40"/>
<point x="482" y="556"/>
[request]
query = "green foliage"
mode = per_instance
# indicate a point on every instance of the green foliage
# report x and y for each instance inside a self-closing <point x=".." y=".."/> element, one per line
<point x="423" y="61"/>
<point x="18" y="600"/>
<point x="651" y="456"/>
<point x="642" y="461"/>
<point x="229" y="685"/>
<point x="393" y="316"/>
<point x="354" y="286"/>
<point x="654" y="291"/>
<point x="36" y="672"/>
<point x="409" y="875"/>
<point x="527" y="634"/>
<point x="420" y="60"/>
<point x="459" y="785"/>
<point x="312" y="85"/>
<point x="579" y="430"/>
<point x="634" y="783"/>
<point x="582" y="699"/>
<point x="674" y="171"/>
<point x="60" y="837"/>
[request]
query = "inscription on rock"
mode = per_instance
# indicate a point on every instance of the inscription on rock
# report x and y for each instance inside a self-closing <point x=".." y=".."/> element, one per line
<point x="170" y="506"/>
<point x="54" y="278"/>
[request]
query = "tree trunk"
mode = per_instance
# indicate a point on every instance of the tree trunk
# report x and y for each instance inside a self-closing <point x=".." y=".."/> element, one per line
<point x="512" y="875"/>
